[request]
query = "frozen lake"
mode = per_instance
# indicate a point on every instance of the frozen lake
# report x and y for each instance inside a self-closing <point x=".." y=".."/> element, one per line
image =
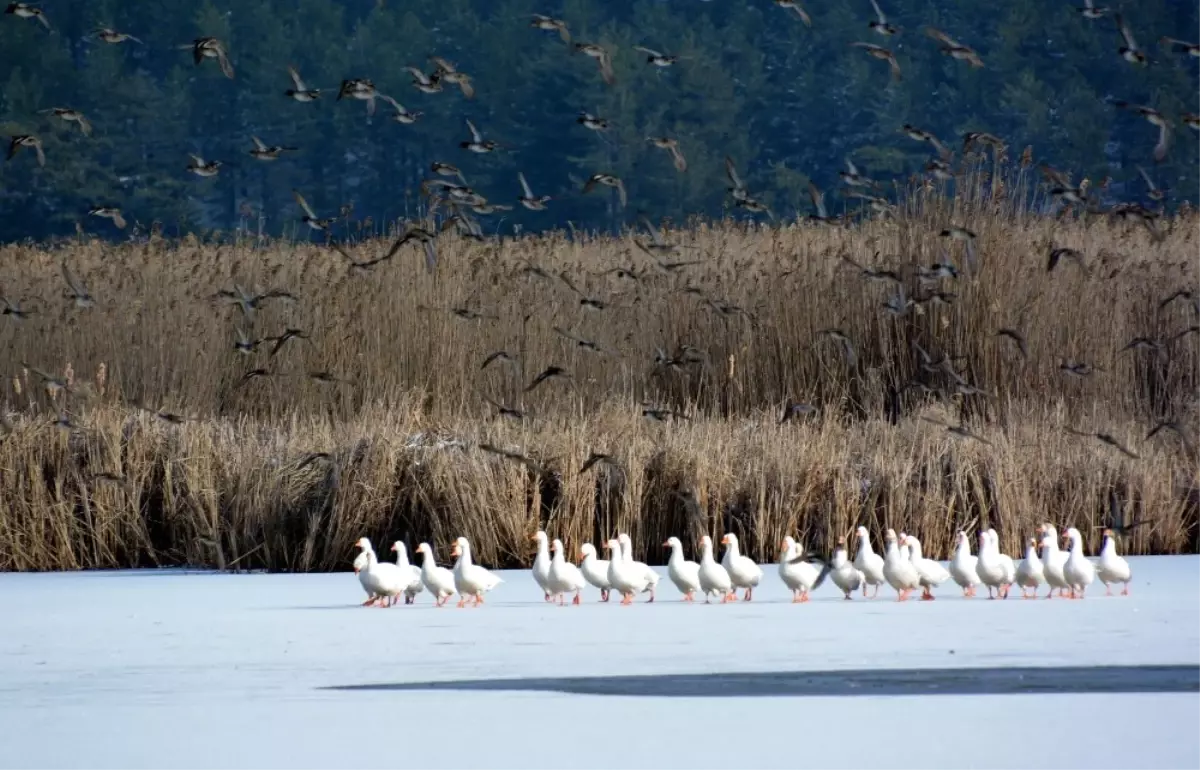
<point x="174" y="669"/>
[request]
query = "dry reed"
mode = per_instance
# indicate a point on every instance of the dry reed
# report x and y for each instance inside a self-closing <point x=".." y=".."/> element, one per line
<point x="230" y="486"/>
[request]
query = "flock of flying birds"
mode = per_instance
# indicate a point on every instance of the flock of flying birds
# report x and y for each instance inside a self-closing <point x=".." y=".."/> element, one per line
<point x="447" y="189"/>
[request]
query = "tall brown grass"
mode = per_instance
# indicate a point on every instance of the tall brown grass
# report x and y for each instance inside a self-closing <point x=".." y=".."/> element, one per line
<point x="228" y="487"/>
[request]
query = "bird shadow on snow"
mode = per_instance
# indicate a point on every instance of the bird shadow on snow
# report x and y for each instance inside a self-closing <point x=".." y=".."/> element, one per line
<point x="318" y="607"/>
<point x="871" y="682"/>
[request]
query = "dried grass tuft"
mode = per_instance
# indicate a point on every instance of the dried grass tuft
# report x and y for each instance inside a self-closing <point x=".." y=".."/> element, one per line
<point x="236" y="484"/>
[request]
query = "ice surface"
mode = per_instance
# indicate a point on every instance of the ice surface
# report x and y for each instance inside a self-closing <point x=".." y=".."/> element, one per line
<point x="176" y="669"/>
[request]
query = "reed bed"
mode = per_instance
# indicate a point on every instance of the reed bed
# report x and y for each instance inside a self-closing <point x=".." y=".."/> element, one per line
<point x="233" y="485"/>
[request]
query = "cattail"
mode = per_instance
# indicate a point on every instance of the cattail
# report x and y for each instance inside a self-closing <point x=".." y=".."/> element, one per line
<point x="1027" y="157"/>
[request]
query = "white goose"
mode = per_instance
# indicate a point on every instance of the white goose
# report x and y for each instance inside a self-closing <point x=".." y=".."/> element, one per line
<point x="414" y="586"/>
<point x="438" y="581"/>
<point x="625" y="578"/>
<point x="844" y="574"/>
<point x="931" y="573"/>
<point x="564" y="576"/>
<point x="595" y="570"/>
<point x="469" y="578"/>
<point x="714" y="579"/>
<point x="1030" y="572"/>
<point x="869" y="563"/>
<point x="1010" y="569"/>
<point x="652" y="577"/>
<point x="963" y="565"/>
<point x="1078" y="571"/>
<point x="360" y="565"/>
<point x="798" y="575"/>
<point x="1112" y="568"/>
<point x="898" y="571"/>
<point x="989" y="567"/>
<point x="541" y="563"/>
<point x="383" y="579"/>
<point x="683" y="573"/>
<point x="1053" y="560"/>
<point x="742" y="570"/>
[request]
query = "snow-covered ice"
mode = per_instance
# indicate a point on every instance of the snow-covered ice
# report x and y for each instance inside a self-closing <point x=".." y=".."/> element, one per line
<point x="185" y="669"/>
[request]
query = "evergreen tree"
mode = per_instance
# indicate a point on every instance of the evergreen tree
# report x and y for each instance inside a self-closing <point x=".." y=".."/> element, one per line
<point x="787" y="101"/>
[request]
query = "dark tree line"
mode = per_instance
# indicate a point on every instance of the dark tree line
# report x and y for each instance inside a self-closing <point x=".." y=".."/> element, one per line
<point x="788" y="101"/>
